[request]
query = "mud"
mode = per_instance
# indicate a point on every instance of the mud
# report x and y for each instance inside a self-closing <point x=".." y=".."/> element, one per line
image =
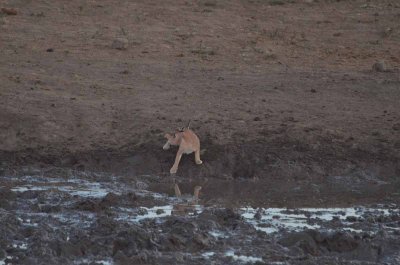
<point x="87" y="218"/>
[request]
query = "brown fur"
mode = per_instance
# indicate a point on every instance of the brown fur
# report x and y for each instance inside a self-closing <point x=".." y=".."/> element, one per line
<point x="188" y="143"/>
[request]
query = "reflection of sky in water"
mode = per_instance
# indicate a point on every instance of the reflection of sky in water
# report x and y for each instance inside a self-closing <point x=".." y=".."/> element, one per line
<point x="20" y="245"/>
<point x="82" y="189"/>
<point x="231" y="253"/>
<point x="97" y="262"/>
<point x="134" y="214"/>
<point x="69" y="218"/>
<point x="273" y="219"/>
<point x="208" y="254"/>
<point x="218" y="234"/>
<point x="77" y="187"/>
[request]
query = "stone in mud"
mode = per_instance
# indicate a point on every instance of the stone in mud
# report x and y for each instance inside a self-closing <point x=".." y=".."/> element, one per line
<point x="109" y="200"/>
<point x="351" y="219"/>
<point x="120" y="44"/>
<point x="125" y="246"/>
<point x="144" y="256"/>
<point x="131" y="196"/>
<point x="121" y="259"/>
<point x="133" y="240"/>
<point x="183" y="234"/>
<point x="49" y="208"/>
<point x="206" y="222"/>
<point x="6" y="198"/>
<point x="29" y="194"/>
<point x="226" y="216"/>
<point x="142" y="211"/>
<point x="160" y="211"/>
<point x="3" y="21"/>
<point x="179" y="257"/>
<point x="379" y="66"/>
<point x="337" y="242"/>
<point x="141" y="185"/>
<point x="301" y="240"/>
<point x="66" y="249"/>
<point x="9" y="11"/>
<point x="258" y="214"/>
<point x="383" y="234"/>
<point x="105" y="225"/>
<point x="203" y="240"/>
<point x="87" y="205"/>
<point x="174" y="242"/>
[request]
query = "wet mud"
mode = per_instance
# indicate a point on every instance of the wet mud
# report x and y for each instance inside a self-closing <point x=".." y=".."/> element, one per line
<point x="74" y="217"/>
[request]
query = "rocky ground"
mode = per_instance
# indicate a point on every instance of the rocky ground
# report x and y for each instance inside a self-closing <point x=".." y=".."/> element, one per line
<point x="296" y="104"/>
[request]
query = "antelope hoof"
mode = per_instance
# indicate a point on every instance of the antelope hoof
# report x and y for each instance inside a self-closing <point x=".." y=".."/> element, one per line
<point x="199" y="162"/>
<point x="173" y="170"/>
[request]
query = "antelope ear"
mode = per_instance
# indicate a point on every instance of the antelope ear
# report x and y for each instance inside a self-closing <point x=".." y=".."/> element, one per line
<point x="168" y="136"/>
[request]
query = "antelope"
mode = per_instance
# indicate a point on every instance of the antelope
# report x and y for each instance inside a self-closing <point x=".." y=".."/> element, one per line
<point x="188" y="143"/>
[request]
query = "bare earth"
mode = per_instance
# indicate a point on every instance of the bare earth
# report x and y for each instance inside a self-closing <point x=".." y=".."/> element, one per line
<point x="283" y="95"/>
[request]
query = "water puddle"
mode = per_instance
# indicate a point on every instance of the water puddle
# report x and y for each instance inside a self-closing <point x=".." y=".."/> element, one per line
<point x="91" y="261"/>
<point x="135" y="215"/>
<point x="272" y="220"/>
<point x="231" y="253"/>
<point x="20" y="245"/>
<point x="66" y="206"/>
<point x="74" y="187"/>
<point x="242" y="258"/>
<point x="208" y="254"/>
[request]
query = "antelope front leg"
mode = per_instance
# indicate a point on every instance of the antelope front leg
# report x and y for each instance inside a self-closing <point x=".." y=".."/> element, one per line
<point x="178" y="157"/>
<point x="197" y="157"/>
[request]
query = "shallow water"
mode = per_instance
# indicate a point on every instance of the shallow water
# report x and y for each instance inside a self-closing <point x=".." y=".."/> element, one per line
<point x="75" y="187"/>
<point x="67" y="194"/>
<point x="270" y="220"/>
<point x="242" y="258"/>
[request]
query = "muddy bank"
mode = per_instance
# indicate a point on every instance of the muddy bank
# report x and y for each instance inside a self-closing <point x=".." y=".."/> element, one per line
<point x="280" y="156"/>
<point x="289" y="171"/>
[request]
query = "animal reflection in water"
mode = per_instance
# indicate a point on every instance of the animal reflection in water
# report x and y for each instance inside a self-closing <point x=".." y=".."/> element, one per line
<point x="189" y="203"/>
